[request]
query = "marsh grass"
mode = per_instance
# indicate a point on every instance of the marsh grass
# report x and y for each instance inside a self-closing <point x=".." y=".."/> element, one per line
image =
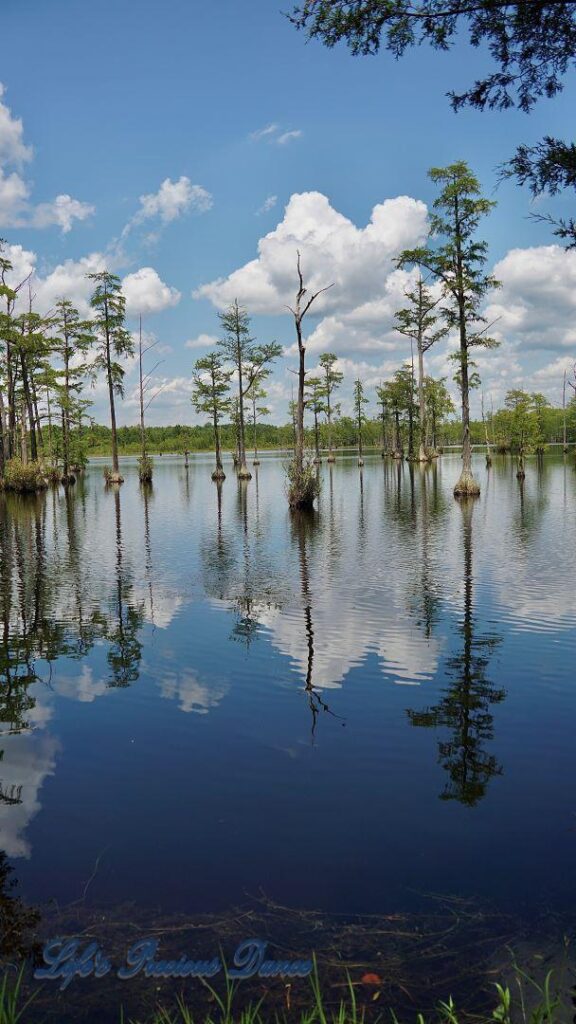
<point x="145" y="469"/>
<point x="528" y="1002"/>
<point x="13" y="1006"/>
<point x="303" y="485"/>
<point x="24" y="478"/>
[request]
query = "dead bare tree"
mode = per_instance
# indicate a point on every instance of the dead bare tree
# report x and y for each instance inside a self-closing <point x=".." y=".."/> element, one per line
<point x="145" y="384"/>
<point x="299" y="496"/>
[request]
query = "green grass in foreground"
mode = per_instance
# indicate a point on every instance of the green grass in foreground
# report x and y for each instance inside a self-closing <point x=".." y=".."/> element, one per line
<point x="529" y="1002"/>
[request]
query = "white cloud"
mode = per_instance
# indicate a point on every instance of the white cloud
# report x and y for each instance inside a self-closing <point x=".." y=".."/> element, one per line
<point x="146" y="293"/>
<point x="69" y="280"/>
<point x="171" y="201"/>
<point x="271" y="134"/>
<point x="16" y="209"/>
<point x="356" y="260"/>
<point x="12" y="147"/>
<point x="202" y="341"/>
<point x="267" y="205"/>
<point x="288" y="137"/>
<point x="14" y="195"/>
<point x="537" y="301"/>
<point x="62" y="212"/>
<point x="263" y="133"/>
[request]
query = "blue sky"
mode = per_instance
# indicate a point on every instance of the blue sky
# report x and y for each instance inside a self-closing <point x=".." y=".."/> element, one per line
<point x="115" y="99"/>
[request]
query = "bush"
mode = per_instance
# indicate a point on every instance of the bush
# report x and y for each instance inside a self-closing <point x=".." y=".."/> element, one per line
<point x="303" y="485"/>
<point x="145" y="469"/>
<point x="25" y="478"/>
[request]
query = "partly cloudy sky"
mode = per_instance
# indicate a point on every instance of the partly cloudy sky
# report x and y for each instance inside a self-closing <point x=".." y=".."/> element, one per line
<point x="194" y="163"/>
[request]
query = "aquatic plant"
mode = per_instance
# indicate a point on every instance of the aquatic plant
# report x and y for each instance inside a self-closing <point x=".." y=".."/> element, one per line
<point x="24" y="477"/>
<point x="145" y="469"/>
<point x="303" y="484"/>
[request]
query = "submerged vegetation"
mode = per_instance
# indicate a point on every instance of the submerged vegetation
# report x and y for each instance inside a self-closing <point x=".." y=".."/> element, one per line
<point x="528" y="1001"/>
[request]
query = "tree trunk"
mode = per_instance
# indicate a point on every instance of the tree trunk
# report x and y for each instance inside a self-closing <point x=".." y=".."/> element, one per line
<point x="23" y="444"/>
<point x="243" y="471"/>
<point x="329" y="418"/>
<point x="422" y="453"/>
<point x="397" y="443"/>
<point x="466" y="484"/>
<point x="2" y="435"/>
<point x="299" y="452"/>
<point x="218" y="473"/>
<point x="316" y="436"/>
<point x="116" y="477"/>
<point x="29" y="409"/>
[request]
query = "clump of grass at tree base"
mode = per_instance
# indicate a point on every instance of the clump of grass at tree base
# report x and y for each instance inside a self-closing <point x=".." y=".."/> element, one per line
<point x="145" y="469"/>
<point x="303" y="484"/>
<point x="23" y="477"/>
<point x="547" y="1007"/>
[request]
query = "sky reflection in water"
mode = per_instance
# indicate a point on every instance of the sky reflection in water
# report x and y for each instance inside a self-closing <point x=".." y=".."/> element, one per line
<point x="345" y="711"/>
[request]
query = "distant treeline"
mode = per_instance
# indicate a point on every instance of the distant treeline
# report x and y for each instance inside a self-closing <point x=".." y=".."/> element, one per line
<point x="182" y="437"/>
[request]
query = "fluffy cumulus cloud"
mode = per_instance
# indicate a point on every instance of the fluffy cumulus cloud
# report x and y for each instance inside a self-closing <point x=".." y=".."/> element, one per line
<point x="356" y="260"/>
<point x="537" y="301"/>
<point x="172" y="200"/>
<point x="146" y="293"/>
<point x="16" y="208"/>
<point x="12" y="147"/>
<point x="534" y="312"/>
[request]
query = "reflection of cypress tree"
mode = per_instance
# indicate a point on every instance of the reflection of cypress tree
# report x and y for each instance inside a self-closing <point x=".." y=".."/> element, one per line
<point x="218" y="558"/>
<point x="146" y="490"/>
<point x="17" y="921"/>
<point x="303" y="524"/>
<point x="465" y="706"/>
<point x="427" y="588"/>
<point x="246" y="625"/>
<point x="125" y="648"/>
<point x="17" y="670"/>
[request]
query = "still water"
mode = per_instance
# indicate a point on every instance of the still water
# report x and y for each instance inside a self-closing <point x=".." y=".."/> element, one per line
<point x="207" y="698"/>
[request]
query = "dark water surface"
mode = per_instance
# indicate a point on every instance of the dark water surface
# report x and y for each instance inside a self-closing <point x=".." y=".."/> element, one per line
<point x="203" y="697"/>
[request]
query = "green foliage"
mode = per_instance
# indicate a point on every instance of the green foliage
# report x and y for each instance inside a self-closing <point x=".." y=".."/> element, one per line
<point x="251" y="361"/>
<point x="211" y="390"/>
<point x="532" y="44"/>
<point x="549" y="166"/>
<point x="25" y="478"/>
<point x="418" y="319"/>
<point x="12" y="1005"/>
<point x="111" y="336"/>
<point x="523" y="424"/>
<point x="303" y="484"/>
<point x="145" y="469"/>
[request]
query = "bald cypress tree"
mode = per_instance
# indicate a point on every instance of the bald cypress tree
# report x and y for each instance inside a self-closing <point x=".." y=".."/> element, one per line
<point x="211" y="395"/>
<point x="456" y="260"/>
<point x="113" y="342"/>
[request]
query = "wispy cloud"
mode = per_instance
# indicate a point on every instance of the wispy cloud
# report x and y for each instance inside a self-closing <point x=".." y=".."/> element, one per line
<point x="202" y="341"/>
<point x="288" y="137"/>
<point x="267" y="205"/>
<point x="275" y="134"/>
<point x="263" y="133"/>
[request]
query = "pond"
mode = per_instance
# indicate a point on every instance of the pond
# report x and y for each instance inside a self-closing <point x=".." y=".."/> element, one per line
<point x="205" y="698"/>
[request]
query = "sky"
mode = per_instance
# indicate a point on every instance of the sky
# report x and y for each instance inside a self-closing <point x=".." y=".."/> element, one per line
<point x="192" y="148"/>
